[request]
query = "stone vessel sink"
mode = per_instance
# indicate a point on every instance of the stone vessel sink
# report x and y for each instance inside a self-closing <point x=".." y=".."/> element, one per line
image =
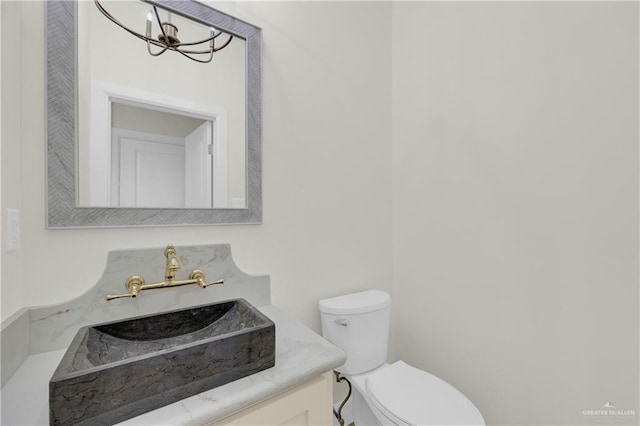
<point x="118" y="370"/>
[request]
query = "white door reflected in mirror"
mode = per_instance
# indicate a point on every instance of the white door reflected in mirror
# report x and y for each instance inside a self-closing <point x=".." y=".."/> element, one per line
<point x="155" y="170"/>
<point x="149" y="172"/>
<point x="157" y="152"/>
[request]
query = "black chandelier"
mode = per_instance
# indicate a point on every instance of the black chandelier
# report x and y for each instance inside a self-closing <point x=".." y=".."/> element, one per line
<point x="167" y="38"/>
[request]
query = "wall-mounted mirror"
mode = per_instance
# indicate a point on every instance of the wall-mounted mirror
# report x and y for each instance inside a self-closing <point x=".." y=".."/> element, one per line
<point x="137" y="140"/>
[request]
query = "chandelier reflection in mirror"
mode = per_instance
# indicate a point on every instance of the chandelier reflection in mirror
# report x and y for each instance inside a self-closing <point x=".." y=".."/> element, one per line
<point x="167" y="37"/>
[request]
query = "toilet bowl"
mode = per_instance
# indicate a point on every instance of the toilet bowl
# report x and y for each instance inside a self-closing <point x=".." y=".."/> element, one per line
<point x="387" y="394"/>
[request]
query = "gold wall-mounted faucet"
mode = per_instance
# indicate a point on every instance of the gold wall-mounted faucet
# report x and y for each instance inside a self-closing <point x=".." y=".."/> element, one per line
<point x="135" y="283"/>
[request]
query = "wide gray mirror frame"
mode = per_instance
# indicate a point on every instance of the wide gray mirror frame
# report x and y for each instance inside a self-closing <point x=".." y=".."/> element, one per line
<point x="62" y="211"/>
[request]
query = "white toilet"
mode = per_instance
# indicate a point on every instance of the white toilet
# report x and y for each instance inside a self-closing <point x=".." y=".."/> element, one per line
<point x="387" y="394"/>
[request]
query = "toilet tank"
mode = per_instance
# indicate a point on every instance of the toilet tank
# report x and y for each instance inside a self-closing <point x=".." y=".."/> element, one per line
<point x="358" y="324"/>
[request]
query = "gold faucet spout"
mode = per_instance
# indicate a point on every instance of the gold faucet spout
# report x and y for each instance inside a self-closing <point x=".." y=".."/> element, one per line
<point x="172" y="263"/>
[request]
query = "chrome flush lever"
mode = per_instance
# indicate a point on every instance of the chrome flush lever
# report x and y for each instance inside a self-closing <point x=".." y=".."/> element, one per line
<point x="342" y="322"/>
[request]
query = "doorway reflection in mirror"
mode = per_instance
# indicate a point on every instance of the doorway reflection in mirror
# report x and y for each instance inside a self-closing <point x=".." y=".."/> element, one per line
<point x="147" y="151"/>
<point x="158" y="166"/>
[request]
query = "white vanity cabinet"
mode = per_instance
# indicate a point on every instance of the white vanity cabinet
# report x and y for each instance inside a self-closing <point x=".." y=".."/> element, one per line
<point x="307" y="404"/>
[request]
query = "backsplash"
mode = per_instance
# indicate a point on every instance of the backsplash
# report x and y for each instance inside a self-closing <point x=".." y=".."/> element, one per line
<point x="53" y="327"/>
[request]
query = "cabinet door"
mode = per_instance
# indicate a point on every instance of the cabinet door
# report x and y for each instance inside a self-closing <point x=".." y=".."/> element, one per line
<point x="307" y="404"/>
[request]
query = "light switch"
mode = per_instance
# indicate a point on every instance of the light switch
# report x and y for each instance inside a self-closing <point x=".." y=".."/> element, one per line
<point x="13" y="229"/>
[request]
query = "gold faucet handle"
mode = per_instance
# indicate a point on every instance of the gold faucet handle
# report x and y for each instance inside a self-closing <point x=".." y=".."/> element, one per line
<point x="116" y="296"/>
<point x="202" y="283"/>
<point x="134" y="284"/>
<point x="198" y="276"/>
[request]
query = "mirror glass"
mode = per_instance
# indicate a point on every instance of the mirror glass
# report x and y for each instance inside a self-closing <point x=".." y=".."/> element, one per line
<point x="135" y="139"/>
<point x="160" y="131"/>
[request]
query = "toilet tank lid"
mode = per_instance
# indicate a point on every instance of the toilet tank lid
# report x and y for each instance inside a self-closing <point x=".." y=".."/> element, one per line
<point x="356" y="303"/>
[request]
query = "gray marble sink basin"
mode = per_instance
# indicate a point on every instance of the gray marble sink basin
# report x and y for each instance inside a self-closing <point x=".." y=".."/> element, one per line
<point x="118" y="370"/>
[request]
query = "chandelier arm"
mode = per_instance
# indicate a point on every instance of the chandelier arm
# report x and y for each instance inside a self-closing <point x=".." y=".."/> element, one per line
<point x="194" y="52"/>
<point x="202" y="61"/>
<point x="155" y="43"/>
<point x="164" y="49"/>
<point x="224" y="45"/>
<point x="189" y="52"/>
<point x="194" y="43"/>
<point x="201" y="41"/>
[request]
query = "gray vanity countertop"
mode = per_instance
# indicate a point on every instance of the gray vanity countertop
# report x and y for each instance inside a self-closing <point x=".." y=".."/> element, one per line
<point x="301" y="354"/>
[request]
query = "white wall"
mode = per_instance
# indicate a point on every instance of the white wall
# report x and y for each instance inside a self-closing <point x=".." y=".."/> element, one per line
<point x="515" y="203"/>
<point x="326" y="181"/>
<point x="1" y="136"/>
<point x="12" y="150"/>
<point x="515" y="189"/>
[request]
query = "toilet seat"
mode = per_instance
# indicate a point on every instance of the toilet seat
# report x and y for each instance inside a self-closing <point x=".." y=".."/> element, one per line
<point x="409" y="396"/>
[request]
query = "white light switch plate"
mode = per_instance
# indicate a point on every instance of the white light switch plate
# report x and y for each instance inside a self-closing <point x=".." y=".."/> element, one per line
<point x="13" y="229"/>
